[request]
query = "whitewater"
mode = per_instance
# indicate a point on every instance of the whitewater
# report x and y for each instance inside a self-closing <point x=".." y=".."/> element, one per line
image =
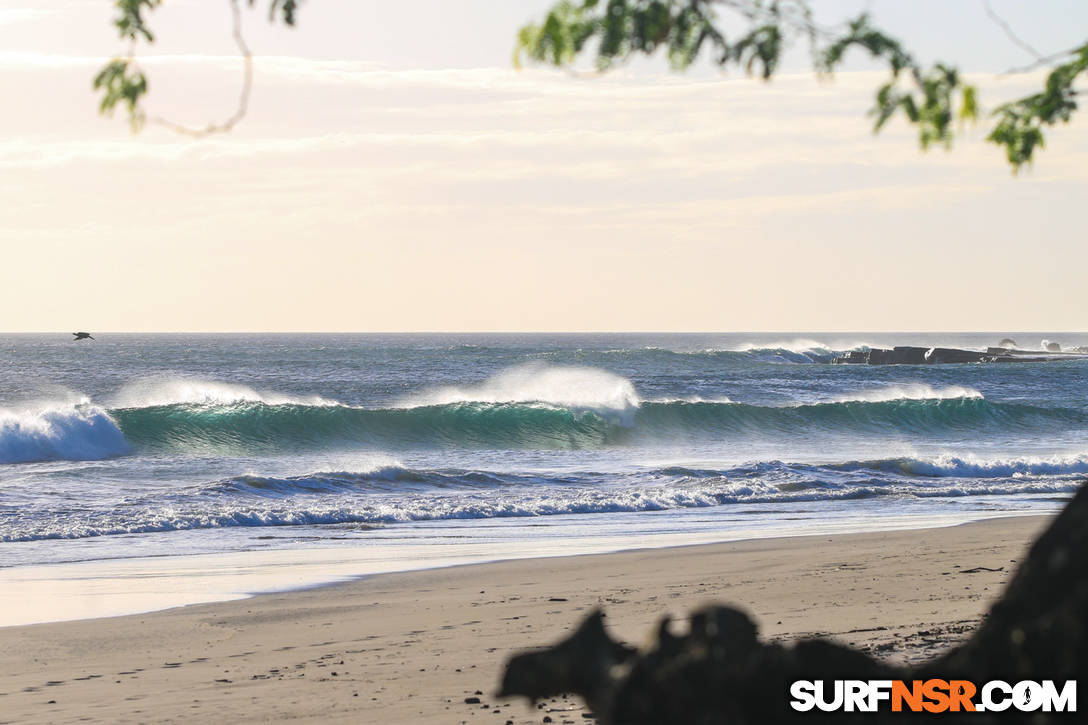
<point x="138" y="446"/>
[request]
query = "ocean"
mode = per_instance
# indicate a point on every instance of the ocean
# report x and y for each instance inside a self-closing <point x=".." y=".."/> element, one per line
<point x="411" y="450"/>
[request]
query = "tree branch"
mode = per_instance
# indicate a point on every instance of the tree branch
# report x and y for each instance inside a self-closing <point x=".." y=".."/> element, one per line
<point x="247" y="85"/>
<point x="931" y="98"/>
<point x="1016" y="39"/>
<point x="1047" y="60"/>
<point x="121" y="81"/>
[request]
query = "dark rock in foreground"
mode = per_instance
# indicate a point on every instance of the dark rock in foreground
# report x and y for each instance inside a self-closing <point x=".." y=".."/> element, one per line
<point x="720" y="672"/>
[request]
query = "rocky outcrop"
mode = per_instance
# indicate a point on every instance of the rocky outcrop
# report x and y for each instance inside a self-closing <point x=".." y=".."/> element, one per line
<point x="946" y="355"/>
<point x="720" y="672"/>
<point x="910" y="355"/>
<point x="899" y="355"/>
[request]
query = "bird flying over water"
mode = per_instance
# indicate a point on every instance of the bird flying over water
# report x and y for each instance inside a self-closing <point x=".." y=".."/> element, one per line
<point x="83" y="336"/>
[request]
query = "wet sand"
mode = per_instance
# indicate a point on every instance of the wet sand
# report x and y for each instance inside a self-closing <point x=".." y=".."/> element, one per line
<point x="412" y="647"/>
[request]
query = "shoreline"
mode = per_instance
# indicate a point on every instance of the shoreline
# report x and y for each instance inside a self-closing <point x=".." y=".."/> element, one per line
<point x="411" y="646"/>
<point x="118" y="587"/>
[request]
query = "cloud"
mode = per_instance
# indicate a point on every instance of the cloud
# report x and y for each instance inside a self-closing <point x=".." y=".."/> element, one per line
<point x="10" y="16"/>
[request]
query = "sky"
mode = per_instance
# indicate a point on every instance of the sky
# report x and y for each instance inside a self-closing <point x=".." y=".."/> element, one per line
<point x="395" y="173"/>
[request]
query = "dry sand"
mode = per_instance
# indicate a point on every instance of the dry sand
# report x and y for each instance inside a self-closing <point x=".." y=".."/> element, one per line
<point x="410" y="648"/>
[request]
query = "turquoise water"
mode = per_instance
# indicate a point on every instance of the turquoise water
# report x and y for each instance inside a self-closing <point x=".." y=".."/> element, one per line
<point x="155" y="445"/>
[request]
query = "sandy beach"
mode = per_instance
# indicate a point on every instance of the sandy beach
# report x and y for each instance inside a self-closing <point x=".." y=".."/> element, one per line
<point x="411" y="647"/>
<point x="359" y="354"/>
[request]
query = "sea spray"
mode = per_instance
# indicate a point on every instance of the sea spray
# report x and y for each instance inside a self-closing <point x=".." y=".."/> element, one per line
<point x="567" y="387"/>
<point x="59" y="431"/>
<point x="169" y="390"/>
<point x="88" y="432"/>
<point x="909" y="391"/>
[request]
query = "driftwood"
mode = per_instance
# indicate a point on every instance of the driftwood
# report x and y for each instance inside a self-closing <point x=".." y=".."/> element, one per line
<point x="719" y="672"/>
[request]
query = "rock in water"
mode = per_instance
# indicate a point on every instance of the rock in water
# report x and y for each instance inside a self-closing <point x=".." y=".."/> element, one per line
<point x="720" y="672"/>
<point x="944" y="355"/>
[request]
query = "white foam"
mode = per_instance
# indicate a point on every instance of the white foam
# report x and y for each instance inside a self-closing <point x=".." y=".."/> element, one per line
<point x="797" y="345"/>
<point x="719" y="400"/>
<point x="910" y="391"/>
<point x="970" y="466"/>
<point x="64" y="430"/>
<point x="328" y="508"/>
<point x="568" y="387"/>
<point x="192" y="391"/>
<point x="358" y="464"/>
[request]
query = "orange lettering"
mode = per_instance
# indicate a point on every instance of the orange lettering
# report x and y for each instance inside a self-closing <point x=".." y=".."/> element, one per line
<point x="912" y="696"/>
<point x="961" y="692"/>
<point x="936" y="692"/>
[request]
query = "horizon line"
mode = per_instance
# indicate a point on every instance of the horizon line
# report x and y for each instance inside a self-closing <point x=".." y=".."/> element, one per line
<point x="554" y="332"/>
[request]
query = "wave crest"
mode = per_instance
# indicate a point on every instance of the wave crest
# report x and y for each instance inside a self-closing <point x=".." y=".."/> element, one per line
<point x="362" y="497"/>
<point x="151" y="392"/>
<point x="532" y="406"/>
<point x="88" y="432"/>
<point x="949" y="466"/>
<point x="566" y="387"/>
<point x="59" y="431"/>
<point x="910" y="391"/>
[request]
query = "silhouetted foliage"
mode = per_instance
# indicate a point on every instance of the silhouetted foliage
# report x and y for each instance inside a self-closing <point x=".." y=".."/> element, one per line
<point x="931" y="98"/>
<point x="122" y="81"/>
<point x="719" y="671"/>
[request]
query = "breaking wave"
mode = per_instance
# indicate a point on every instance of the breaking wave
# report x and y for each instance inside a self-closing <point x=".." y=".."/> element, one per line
<point x="260" y="426"/>
<point x="362" y="497"/>
<point x="88" y="432"/>
<point x="59" y="431"/>
<point x="562" y="386"/>
<point x="526" y="407"/>
<point x="910" y="391"/>
<point x="151" y="392"/>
